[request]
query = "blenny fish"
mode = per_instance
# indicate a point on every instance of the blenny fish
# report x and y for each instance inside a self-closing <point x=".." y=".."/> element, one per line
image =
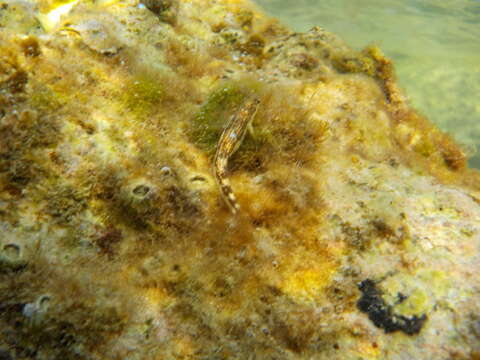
<point x="230" y="140"/>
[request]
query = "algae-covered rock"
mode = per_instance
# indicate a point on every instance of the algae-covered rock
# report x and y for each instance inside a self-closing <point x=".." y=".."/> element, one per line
<point x="358" y="233"/>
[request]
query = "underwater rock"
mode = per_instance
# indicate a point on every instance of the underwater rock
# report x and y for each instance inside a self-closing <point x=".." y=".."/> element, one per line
<point x="359" y="222"/>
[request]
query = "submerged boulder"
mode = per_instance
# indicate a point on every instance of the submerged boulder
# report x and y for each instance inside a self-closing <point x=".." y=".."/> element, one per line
<point x="358" y="230"/>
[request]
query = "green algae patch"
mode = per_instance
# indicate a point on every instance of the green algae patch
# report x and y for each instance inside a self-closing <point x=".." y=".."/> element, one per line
<point x="208" y="123"/>
<point x="354" y="63"/>
<point x="281" y="125"/>
<point x="142" y="94"/>
<point x="45" y="99"/>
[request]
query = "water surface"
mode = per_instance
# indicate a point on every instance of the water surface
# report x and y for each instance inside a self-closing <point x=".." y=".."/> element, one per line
<point x="434" y="43"/>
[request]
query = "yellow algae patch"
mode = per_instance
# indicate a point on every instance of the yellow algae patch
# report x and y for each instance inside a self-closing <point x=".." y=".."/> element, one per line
<point x="154" y="294"/>
<point x="417" y="303"/>
<point x="307" y="285"/>
<point x="157" y="296"/>
<point x="261" y="200"/>
<point x="368" y="350"/>
<point x="54" y="12"/>
<point x="422" y="291"/>
<point x="106" y="2"/>
<point x="183" y="347"/>
<point x="438" y="281"/>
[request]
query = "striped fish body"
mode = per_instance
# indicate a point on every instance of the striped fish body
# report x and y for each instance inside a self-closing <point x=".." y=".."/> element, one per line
<point x="230" y="140"/>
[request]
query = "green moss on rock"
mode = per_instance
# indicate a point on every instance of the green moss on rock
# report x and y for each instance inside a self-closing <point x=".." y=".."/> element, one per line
<point x="208" y="123"/>
<point x="142" y="94"/>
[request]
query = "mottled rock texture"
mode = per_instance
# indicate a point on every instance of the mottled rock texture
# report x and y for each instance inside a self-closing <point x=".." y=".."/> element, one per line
<point x="359" y="230"/>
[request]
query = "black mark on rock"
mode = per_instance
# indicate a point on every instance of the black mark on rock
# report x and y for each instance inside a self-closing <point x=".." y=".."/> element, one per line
<point x="383" y="315"/>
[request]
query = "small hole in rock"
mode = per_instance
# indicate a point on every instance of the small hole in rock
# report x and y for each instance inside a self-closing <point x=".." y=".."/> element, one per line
<point x="12" y="251"/>
<point x="141" y="190"/>
<point x="198" y="178"/>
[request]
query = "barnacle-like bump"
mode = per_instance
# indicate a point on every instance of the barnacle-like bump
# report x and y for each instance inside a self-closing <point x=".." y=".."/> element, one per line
<point x="138" y="199"/>
<point x="141" y="190"/>
<point x="138" y="192"/>
<point x="12" y="251"/>
<point x="166" y="171"/>
<point x="11" y="257"/>
<point x="198" y="179"/>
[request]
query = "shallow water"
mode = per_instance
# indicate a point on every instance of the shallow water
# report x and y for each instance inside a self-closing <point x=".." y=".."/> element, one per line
<point x="434" y="43"/>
